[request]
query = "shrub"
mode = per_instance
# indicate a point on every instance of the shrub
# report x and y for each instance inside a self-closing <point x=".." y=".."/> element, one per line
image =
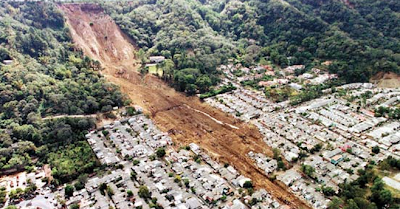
<point x="69" y="190"/>
<point x="248" y="184"/>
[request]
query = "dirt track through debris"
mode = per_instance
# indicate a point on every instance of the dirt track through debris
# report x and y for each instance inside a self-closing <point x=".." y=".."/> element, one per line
<point x="186" y="119"/>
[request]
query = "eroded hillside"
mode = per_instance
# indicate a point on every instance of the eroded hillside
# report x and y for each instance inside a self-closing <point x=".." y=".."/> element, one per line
<point x="185" y="118"/>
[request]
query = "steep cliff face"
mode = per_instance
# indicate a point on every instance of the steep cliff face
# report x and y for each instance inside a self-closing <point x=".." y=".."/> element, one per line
<point x="98" y="35"/>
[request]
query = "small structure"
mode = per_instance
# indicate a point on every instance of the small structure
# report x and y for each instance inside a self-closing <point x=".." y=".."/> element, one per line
<point x="156" y="59"/>
<point x="7" y="62"/>
<point x="193" y="203"/>
<point x="296" y="86"/>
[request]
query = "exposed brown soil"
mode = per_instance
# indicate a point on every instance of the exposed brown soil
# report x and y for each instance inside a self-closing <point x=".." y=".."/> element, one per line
<point x="187" y="119"/>
<point x="386" y="80"/>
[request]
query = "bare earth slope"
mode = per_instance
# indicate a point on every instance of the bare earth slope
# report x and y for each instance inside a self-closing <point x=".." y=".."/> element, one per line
<point x="386" y="80"/>
<point x="185" y="118"/>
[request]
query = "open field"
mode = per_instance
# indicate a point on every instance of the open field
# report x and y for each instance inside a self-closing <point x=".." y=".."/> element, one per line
<point x="186" y="119"/>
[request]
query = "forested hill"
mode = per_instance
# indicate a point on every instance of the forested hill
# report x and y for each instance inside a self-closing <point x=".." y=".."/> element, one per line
<point x="361" y="37"/>
<point x="47" y="76"/>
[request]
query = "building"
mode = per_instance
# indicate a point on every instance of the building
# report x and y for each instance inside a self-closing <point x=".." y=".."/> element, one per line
<point x="156" y="59"/>
<point x="7" y="62"/>
<point x="296" y="86"/>
<point x="193" y="203"/>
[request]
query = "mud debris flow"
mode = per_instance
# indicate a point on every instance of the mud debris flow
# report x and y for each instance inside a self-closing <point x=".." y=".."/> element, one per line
<point x="186" y="119"/>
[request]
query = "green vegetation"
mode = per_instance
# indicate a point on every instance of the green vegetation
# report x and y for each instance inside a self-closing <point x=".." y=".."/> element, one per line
<point x="73" y="160"/>
<point x="103" y="188"/>
<point x="130" y="111"/>
<point x="393" y="113"/>
<point x="47" y="77"/>
<point x="316" y="148"/>
<point x="376" y="149"/>
<point x="359" y="37"/>
<point x="133" y="175"/>
<point x="3" y="194"/>
<point x="144" y="192"/>
<point x="129" y="193"/>
<point x="368" y="191"/>
<point x="78" y="186"/>
<point x="186" y="182"/>
<point x="69" y="190"/>
<point x="74" y="206"/>
<point x="390" y="163"/>
<point x="308" y="170"/>
<point x="223" y="89"/>
<point x="110" y="191"/>
<point x="248" y="184"/>
<point x="328" y="191"/>
<point x="277" y="156"/>
<point x="50" y="77"/>
<point x="18" y="193"/>
<point x="160" y="152"/>
<point x="311" y="92"/>
<point x="279" y="94"/>
<point x="135" y="162"/>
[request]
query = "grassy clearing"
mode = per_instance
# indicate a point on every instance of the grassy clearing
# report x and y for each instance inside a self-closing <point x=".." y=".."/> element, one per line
<point x="155" y="71"/>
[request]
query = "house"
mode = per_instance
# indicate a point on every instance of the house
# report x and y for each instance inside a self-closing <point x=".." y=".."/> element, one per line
<point x="268" y="67"/>
<point x="290" y="77"/>
<point x="232" y="170"/>
<point x="306" y="76"/>
<point x="151" y="65"/>
<point x="237" y="204"/>
<point x="156" y="59"/>
<point x="193" y="203"/>
<point x="323" y="78"/>
<point x="335" y="156"/>
<point x="289" y="176"/>
<point x="337" y="159"/>
<point x="195" y="148"/>
<point x="270" y="73"/>
<point x="258" y="76"/>
<point x="245" y="70"/>
<point x="316" y="70"/>
<point x="291" y="69"/>
<point x="7" y="62"/>
<point x="181" y="206"/>
<point x="259" y="68"/>
<point x="241" y="180"/>
<point x="267" y="83"/>
<point x="281" y="81"/>
<point x="295" y="86"/>
<point x="139" y="150"/>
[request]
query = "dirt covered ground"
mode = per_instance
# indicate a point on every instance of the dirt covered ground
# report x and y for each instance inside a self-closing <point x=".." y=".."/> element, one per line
<point x="386" y="80"/>
<point x="187" y="119"/>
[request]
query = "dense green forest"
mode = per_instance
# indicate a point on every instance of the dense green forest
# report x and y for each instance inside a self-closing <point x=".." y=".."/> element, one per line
<point x="360" y="37"/>
<point x="47" y="77"/>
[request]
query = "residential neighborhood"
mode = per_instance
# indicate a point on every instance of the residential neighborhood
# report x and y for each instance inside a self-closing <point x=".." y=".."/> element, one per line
<point x="317" y="145"/>
<point x="333" y="134"/>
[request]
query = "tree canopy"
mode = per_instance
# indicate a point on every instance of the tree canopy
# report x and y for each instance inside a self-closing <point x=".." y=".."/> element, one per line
<point x="359" y="37"/>
<point x="47" y="77"/>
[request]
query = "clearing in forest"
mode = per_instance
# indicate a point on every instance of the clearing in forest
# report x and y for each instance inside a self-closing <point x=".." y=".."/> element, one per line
<point x="186" y="119"/>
